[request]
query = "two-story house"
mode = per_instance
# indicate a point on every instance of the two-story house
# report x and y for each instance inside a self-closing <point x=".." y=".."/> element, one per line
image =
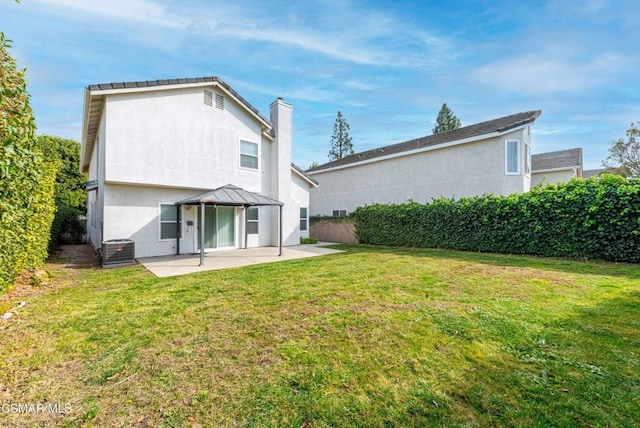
<point x="487" y="157"/>
<point x="173" y="162"/>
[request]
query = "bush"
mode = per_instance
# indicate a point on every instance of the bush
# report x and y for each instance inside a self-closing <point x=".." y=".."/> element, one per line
<point x="308" y="241"/>
<point x="27" y="175"/>
<point x="597" y="218"/>
<point x="66" y="227"/>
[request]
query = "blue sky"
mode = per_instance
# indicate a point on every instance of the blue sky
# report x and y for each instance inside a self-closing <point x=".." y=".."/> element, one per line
<point x="387" y="65"/>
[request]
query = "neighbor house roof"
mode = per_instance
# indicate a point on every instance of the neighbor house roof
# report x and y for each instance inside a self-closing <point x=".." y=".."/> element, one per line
<point x="562" y="159"/>
<point x="304" y="175"/>
<point x="460" y="135"/>
<point x="593" y="172"/>
<point x="230" y="195"/>
<point x="95" y="96"/>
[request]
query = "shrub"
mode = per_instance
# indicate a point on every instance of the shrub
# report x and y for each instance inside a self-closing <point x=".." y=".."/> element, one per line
<point x="308" y="241"/>
<point x="597" y="218"/>
<point x="27" y="175"/>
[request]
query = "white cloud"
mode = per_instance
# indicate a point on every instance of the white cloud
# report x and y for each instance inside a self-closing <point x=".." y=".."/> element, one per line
<point x="541" y="74"/>
<point x="126" y="10"/>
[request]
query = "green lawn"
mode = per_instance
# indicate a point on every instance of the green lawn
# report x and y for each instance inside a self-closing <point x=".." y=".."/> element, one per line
<point x="370" y="337"/>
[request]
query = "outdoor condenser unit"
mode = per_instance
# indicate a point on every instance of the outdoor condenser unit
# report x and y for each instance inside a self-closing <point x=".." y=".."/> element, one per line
<point x="118" y="252"/>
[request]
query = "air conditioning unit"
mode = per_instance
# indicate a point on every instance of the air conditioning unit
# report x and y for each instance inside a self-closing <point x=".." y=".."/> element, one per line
<point x="118" y="252"/>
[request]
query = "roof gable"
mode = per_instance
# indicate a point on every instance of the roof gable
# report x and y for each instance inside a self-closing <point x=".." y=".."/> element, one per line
<point x="461" y="134"/>
<point x="561" y="159"/>
<point x="304" y="175"/>
<point x="95" y="96"/>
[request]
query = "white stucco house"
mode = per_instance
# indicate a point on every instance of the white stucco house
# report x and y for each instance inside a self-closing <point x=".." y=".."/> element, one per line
<point x="487" y="157"/>
<point x="556" y="167"/>
<point x="166" y="157"/>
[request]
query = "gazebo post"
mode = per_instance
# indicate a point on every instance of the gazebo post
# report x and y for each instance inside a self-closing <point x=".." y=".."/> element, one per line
<point x="201" y="233"/>
<point x="280" y="230"/>
<point x="178" y="231"/>
<point x="246" y="231"/>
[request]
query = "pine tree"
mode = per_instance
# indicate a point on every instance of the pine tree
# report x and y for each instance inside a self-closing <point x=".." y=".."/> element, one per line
<point x="340" y="140"/>
<point x="446" y="120"/>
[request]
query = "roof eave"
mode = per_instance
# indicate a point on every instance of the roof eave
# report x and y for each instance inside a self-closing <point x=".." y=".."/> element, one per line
<point x="215" y="82"/>
<point x="421" y="149"/>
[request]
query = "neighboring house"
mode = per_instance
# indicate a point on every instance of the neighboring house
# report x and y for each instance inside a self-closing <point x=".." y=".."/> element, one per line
<point x="593" y="172"/>
<point x="488" y="157"/>
<point x="556" y="167"/>
<point x="149" y="145"/>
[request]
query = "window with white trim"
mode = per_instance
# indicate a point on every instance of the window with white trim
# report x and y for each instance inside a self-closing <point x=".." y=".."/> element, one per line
<point x="527" y="158"/>
<point x="512" y="157"/>
<point x="304" y="218"/>
<point x="339" y="213"/>
<point x="248" y="154"/>
<point x="253" y="220"/>
<point x="168" y="221"/>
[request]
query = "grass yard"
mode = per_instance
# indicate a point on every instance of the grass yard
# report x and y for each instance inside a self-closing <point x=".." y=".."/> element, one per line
<point x="372" y="337"/>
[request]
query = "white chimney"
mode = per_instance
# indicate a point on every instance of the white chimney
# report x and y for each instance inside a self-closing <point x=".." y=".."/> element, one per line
<point x="281" y="117"/>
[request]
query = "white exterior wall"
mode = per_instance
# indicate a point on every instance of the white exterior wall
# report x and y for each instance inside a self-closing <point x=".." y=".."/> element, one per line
<point x="552" y="177"/>
<point x="95" y="198"/>
<point x="171" y="138"/>
<point x="281" y="117"/>
<point x="466" y="169"/>
<point x="300" y="199"/>
<point x="133" y="212"/>
<point x="163" y="146"/>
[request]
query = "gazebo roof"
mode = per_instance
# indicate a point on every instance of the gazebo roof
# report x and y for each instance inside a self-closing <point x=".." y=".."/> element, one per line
<point x="230" y="195"/>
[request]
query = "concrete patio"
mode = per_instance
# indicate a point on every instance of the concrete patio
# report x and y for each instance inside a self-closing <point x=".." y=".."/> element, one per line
<point x="224" y="259"/>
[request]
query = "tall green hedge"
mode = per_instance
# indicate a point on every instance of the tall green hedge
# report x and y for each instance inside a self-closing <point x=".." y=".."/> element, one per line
<point x="27" y="175"/>
<point x="597" y="218"/>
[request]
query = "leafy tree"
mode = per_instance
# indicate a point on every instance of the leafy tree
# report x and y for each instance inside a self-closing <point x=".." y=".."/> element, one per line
<point x="69" y="180"/>
<point x="314" y="165"/>
<point x="27" y="176"/>
<point x="446" y="120"/>
<point x="624" y="154"/>
<point x="69" y="193"/>
<point x="341" y="145"/>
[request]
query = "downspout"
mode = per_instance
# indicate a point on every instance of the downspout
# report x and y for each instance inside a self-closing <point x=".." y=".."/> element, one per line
<point x="280" y="231"/>
<point x="201" y="233"/>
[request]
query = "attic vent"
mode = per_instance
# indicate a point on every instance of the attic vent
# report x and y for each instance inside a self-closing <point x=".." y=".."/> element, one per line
<point x="219" y="101"/>
<point x="208" y="95"/>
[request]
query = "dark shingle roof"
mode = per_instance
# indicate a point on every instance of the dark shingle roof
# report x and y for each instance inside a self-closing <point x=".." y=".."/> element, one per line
<point x="496" y="125"/>
<point x="593" y="172"/>
<point x="554" y="160"/>
<point x="304" y="174"/>
<point x="168" y="82"/>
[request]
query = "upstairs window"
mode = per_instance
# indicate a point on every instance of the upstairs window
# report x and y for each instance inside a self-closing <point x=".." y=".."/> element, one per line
<point x="253" y="220"/>
<point x="248" y="154"/>
<point x="339" y="213"/>
<point x="512" y="157"/>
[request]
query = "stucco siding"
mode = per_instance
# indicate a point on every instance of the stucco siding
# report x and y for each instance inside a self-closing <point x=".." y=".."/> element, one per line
<point x="171" y="138"/>
<point x="132" y="212"/>
<point x="552" y="177"/>
<point x="461" y="170"/>
<point x="299" y="199"/>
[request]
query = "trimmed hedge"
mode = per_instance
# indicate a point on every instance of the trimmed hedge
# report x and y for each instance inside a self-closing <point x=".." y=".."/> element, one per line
<point x="27" y="176"/>
<point x="596" y="218"/>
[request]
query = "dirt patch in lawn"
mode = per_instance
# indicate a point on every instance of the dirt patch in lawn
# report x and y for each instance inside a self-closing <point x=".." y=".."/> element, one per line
<point x="60" y="270"/>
